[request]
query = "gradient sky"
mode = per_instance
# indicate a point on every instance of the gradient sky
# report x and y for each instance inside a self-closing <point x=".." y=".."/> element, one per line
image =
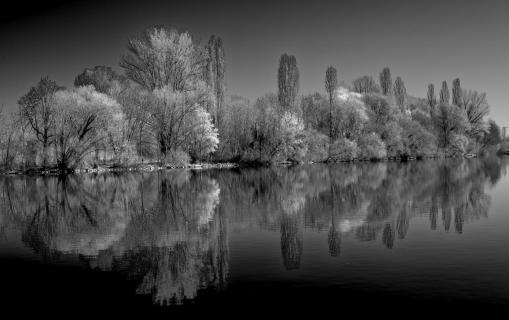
<point x="421" y="41"/>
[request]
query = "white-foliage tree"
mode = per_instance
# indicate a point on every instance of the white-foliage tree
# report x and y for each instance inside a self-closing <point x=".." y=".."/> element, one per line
<point x="84" y="118"/>
<point x="293" y="138"/>
<point x="163" y="58"/>
<point x="172" y="116"/>
<point x="173" y="69"/>
<point x="204" y="136"/>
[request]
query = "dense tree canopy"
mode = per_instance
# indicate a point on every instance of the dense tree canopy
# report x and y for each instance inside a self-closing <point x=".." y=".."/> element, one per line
<point x="169" y="106"/>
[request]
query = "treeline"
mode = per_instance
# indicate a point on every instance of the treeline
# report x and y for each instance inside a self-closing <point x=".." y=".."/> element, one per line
<point x="169" y="105"/>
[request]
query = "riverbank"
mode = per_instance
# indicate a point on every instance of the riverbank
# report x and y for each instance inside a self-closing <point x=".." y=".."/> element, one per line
<point x="145" y="167"/>
<point x="155" y="166"/>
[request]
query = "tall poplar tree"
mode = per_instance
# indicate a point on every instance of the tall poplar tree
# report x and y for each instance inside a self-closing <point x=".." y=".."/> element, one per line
<point x="431" y="98"/>
<point x="288" y="81"/>
<point x="456" y="92"/>
<point x="215" y="74"/>
<point x="400" y="93"/>
<point x="331" y="84"/>
<point x="444" y="93"/>
<point x="386" y="81"/>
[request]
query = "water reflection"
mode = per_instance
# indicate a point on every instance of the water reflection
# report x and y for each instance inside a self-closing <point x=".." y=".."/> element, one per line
<point x="169" y="231"/>
<point x="164" y="230"/>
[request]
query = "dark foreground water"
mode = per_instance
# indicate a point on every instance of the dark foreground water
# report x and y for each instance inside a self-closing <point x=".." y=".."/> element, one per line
<point x="381" y="239"/>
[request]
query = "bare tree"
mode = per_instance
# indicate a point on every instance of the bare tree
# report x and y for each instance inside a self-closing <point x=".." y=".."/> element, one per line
<point x="476" y="107"/>
<point x="37" y="108"/>
<point x="8" y="133"/>
<point x="331" y="84"/>
<point x="288" y="81"/>
<point x="163" y="58"/>
<point x="173" y="70"/>
<point x="83" y="119"/>
<point x="171" y="118"/>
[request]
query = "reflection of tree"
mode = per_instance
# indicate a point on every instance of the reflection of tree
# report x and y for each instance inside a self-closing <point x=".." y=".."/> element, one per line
<point x="372" y="201"/>
<point x="433" y="215"/>
<point x="164" y="230"/>
<point x="446" y="218"/>
<point x="291" y="241"/>
<point x="402" y="223"/>
<point x="334" y="240"/>
<point x="168" y="230"/>
<point x="388" y="235"/>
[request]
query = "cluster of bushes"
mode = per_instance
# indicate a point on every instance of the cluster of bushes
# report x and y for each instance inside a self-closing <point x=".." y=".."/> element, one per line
<point x="169" y="105"/>
<point x="357" y="126"/>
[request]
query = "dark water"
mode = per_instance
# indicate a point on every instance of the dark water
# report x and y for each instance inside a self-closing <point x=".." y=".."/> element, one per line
<point x="369" y="238"/>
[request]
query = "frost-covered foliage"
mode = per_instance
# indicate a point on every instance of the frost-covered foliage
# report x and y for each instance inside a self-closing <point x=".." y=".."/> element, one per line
<point x="204" y="136"/>
<point x="170" y="105"/>
<point x="173" y="117"/>
<point x="293" y="138"/>
<point x="352" y="118"/>
<point x="163" y="58"/>
<point x="84" y="118"/>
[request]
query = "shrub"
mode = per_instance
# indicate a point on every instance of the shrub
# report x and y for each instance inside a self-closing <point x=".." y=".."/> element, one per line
<point x="177" y="158"/>
<point x="344" y="150"/>
<point x="417" y="141"/>
<point x="371" y="147"/>
<point x="458" y="145"/>
<point x="293" y="146"/>
<point x="318" y="146"/>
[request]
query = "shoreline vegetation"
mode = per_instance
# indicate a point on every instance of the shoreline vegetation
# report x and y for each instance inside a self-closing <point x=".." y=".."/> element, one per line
<point x="155" y="166"/>
<point x="168" y="107"/>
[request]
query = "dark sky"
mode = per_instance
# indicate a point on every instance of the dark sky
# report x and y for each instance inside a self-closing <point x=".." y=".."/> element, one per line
<point x="421" y="41"/>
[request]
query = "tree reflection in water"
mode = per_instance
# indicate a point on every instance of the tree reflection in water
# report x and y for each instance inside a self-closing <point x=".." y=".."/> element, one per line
<point x="165" y="230"/>
<point x="168" y="231"/>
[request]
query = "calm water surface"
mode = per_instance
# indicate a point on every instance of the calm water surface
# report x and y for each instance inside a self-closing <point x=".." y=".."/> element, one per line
<point x="366" y="237"/>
